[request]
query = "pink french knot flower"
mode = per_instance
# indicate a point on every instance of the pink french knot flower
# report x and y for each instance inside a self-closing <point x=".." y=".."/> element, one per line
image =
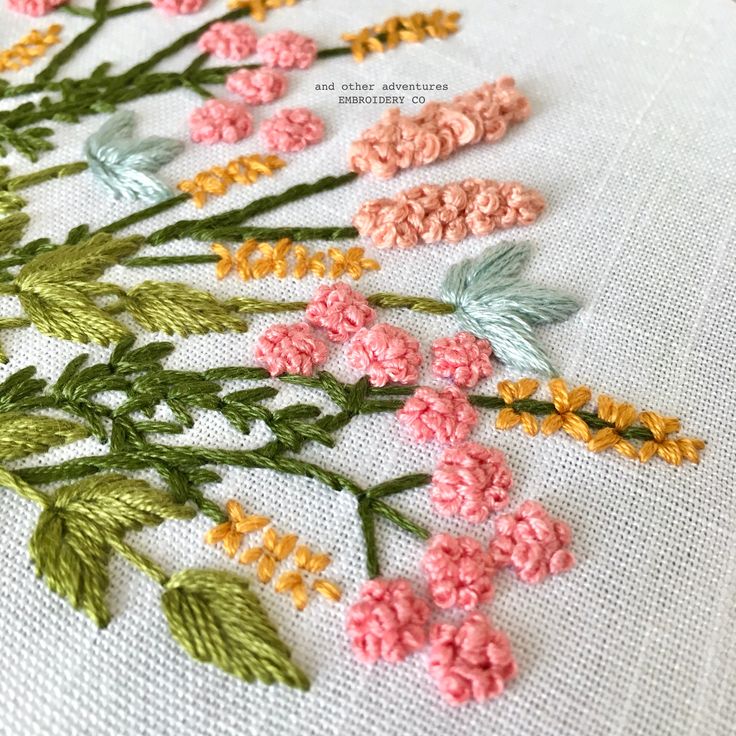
<point x="431" y="213"/>
<point x="459" y="572"/>
<point x="472" y="661"/>
<point x="292" y="129"/>
<point x="228" y="40"/>
<point x="35" y="8"/>
<point x="446" y="416"/>
<point x="400" y="141"/>
<point x="257" y="86"/>
<point x="388" y="622"/>
<point x="533" y="543"/>
<point x="464" y="358"/>
<point x="287" y="50"/>
<point x="386" y="354"/>
<point x="339" y="310"/>
<point x="220" y="121"/>
<point x="178" y="7"/>
<point x="470" y="481"/>
<point x="294" y="349"/>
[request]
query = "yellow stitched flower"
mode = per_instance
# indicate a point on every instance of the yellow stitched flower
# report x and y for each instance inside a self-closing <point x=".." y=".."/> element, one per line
<point x="241" y="259"/>
<point x="351" y="262"/>
<point x="441" y="24"/>
<point x="232" y="531"/>
<point x="225" y="264"/>
<point x="33" y="45"/>
<point x="622" y="416"/>
<point x="306" y="262"/>
<point x="273" y="259"/>
<point x="362" y="42"/>
<point x="672" y="451"/>
<point x="294" y="581"/>
<point x="259" y="8"/>
<point x="274" y="549"/>
<point x="567" y="402"/>
<point x="508" y="417"/>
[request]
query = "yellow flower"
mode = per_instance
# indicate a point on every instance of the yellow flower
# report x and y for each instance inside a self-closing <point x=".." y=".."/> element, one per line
<point x="441" y="24"/>
<point x="295" y="583"/>
<point x="622" y="416"/>
<point x="508" y="417"/>
<point x="274" y="549"/>
<point x="273" y="259"/>
<point x="567" y="402"/>
<point x="362" y="42"/>
<point x="351" y="262"/>
<point x="232" y="531"/>
<point x="672" y="451"/>
<point x="241" y="259"/>
<point x="305" y="263"/>
<point x="225" y="264"/>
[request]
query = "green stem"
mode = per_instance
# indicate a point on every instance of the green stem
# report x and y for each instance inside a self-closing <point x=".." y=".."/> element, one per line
<point x="148" y="261"/>
<point x="415" y="303"/>
<point x="52" y="172"/>
<point x="143" y="214"/>
<point x="141" y="562"/>
<point x="239" y="234"/>
<point x="245" y="305"/>
<point x="22" y="488"/>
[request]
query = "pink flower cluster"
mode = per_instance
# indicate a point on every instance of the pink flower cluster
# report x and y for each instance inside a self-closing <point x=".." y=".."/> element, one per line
<point x="231" y="40"/>
<point x="472" y="661"/>
<point x="463" y="358"/>
<point x="287" y="50"/>
<point x="445" y="416"/>
<point x="292" y="129"/>
<point x="386" y="354"/>
<point x="220" y="121"/>
<point x="294" y="349"/>
<point x="35" y="8"/>
<point x="400" y="141"/>
<point x="470" y="481"/>
<point x="257" y="86"/>
<point x="178" y="7"/>
<point x="430" y="213"/>
<point x="533" y="543"/>
<point x="340" y="310"/>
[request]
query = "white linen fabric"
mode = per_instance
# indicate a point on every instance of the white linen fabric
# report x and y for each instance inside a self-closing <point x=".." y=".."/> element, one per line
<point x="632" y="142"/>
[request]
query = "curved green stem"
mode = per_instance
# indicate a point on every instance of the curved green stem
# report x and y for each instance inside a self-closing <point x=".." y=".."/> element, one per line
<point x="141" y="562"/>
<point x="25" y="181"/>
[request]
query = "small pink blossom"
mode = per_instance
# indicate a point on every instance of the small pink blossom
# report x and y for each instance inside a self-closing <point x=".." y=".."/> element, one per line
<point x="463" y="358"/>
<point x="339" y="310"/>
<point x="257" y="86"/>
<point x="386" y="354"/>
<point x="459" y="572"/>
<point x="35" y="8"/>
<point x="293" y="349"/>
<point x="228" y="40"/>
<point x="220" y="121"/>
<point x="446" y="416"/>
<point x="287" y="50"/>
<point x="533" y="543"/>
<point x="178" y="7"/>
<point x="292" y="129"/>
<point x="470" y="481"/>
<point x="472" y="661"/>
<point x="388" y="622"/>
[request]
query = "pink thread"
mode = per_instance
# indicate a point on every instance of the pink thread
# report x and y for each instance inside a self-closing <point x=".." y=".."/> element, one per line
<point x="459" y="572"/>
<point x="470" y="662"/>
<point x="294" y="349"/>
<point x="446" y="416"/>
<point x="388" y="622"/>
<point x="339" y="310"/>
<point x="386" y="354"/>
<point x="430" y="213"/>
<point x="400" y="141"/>
<point x="470" y="481"/>
<point x="178" y="7"/>
<point x="532" y="542"/>
<point x="292" y="129"/>
<point x="287" y="50"/>
<point x="35" y="8"/>
<point x="220" y="121"/>
<point x="463" y="358"/>
<point x="225" y="40"/>
<point x="257" y="86"/>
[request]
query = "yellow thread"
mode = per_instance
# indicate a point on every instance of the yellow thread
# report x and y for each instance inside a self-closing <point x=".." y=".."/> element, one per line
<point x="217" y="181"/>
<point x="232" y="531"/>
<point x="672" y="451"/>
<point x="273" y="550"/>
<point x="508" y="417"/>
<point x="259" y="8"/>
<point x="223" y="266"/>
<point x="408" y="29"/>
<point x="31" y="47"/>
<point x="622" y="416"/>
<point x="294" y="582"/>
<point x="566" y="403"/>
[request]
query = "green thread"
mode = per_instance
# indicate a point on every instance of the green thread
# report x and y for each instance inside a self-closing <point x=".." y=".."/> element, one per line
<point x="26" y="434"/>
<point x="38" y="177"/>
<point x="415" y="303"/>
<point x="245" y="305"/>
<point x="147" y="566"/>
<point x="22" y="488"/>
<point x="277" y="233"/>
<point x="149" y="261"/>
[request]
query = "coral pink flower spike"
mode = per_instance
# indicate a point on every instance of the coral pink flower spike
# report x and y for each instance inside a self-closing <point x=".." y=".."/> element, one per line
<point x="533" y="543"/>
<point x="388" y="621"/>
<point x="178" y="7"/>
<point x="463" y="358"/>
<point x="35" y="8"/>
<point x="287" y="50"/>
<point x="470" y="662"/>
<point x="294" y="349"/>
<point x="459" y="572"/>
<point x="446" y="416"/>
<point x="219" y="121"/>
<point x="234" y="41"/>
<point x="292" y="129"/>
<point x="340" y="311"/>
<point x="386" y="354"/>
<point x="470" y="481"/>
<point x="257" y="86"/>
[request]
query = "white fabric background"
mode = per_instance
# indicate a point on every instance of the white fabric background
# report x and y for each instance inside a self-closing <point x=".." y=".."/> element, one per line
<point x="632" y="142"/>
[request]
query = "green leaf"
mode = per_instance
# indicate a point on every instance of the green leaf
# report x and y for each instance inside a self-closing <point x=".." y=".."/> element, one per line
<point x="217" y="619"/>
<point x="25" y="434"/>
<point x="12" y="228"/>
<point x="176" y="308"/>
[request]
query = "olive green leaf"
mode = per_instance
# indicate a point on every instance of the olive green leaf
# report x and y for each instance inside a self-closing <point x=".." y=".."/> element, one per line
<point x="71" y="545"/>
<point x="217" y="619"/>
<point x="26" y="434"/>
<point x="175" y="308"/>
<point x="12" y="228"/>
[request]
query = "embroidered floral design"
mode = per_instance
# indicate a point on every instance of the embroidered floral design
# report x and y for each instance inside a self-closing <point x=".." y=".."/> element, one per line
<point x="340" y="311"/>
<point x="232" y="531"/>
<point x="272" y="552"/>
<point x="259" y="8"/>
<point x="257" y="86"/>
<point x="292" y="130"/>
<point x="445" y="416"/>
<point x="178" y="7"/>
<point x="621" y="416"/>
<point x="287" y="50"/>
<point x="309" y="564"/>
<point x="509" y="417"/>
<point x="30" y="47"/>
<point x="228" y="40"/>
<point x="567" y="403"/>
<point x="671" y="450"/>
<point x="295" y="349"/>
<point x="386" y="354"/>
<point x="220" y="121"/>
<point x="463" y="358"/>
<point x="34" y="7"/>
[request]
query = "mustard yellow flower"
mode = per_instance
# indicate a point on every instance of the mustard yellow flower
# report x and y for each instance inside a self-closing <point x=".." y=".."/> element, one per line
<point x="225" y="264"/>
<point x="273" y="259"/>
<point x="352" y="262"/>
<point x="274" y="549"/>
<point x="306" y="262"/>
<point x="232" y="531"/>
<point x="622" y="416"/>
<point x="566" y="403"/>
<point x="672" y="451"/>
<point x="295" y="581"/>
<point x="508" y="417"/>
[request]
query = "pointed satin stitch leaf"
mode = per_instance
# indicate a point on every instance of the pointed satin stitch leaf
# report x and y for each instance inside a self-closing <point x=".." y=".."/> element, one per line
<point x="12" y="228"/>
<point x="26" y="434"/>
<point x="217" y="619"/>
